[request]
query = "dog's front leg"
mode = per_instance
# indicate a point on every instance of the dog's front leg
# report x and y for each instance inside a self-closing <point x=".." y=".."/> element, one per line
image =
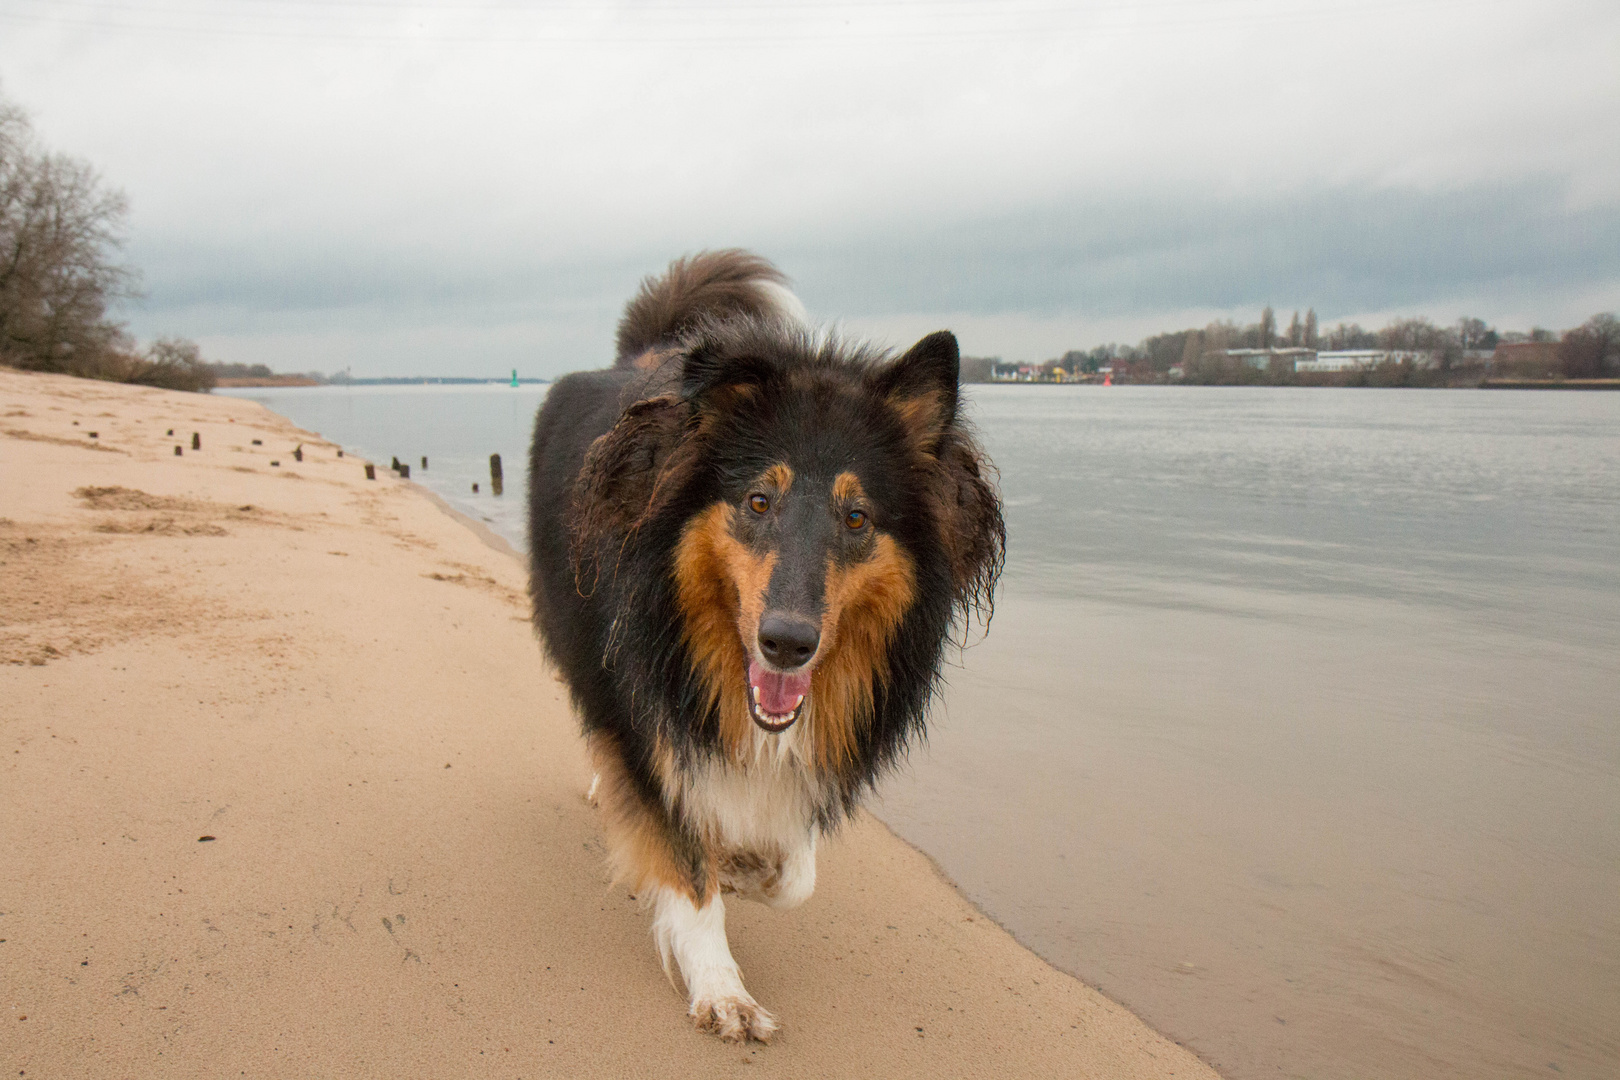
<point x="695" y="938"/>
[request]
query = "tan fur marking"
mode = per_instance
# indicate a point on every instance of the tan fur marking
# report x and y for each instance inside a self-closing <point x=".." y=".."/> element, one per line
<point x="652" y="359"/>
<point x="923" y="417"/>
<point x="865" y="603"/>
<point x="779" y="478"/>
<point x="847" y="488"/>
<point x="638" y="852"/>
<point x="720" y="585"/>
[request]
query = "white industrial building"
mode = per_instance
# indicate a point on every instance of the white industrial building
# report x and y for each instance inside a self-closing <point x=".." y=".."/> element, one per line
<point x="1360" y="359"/>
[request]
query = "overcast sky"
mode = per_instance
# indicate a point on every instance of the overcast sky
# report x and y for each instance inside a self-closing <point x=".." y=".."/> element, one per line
<point x="463" y="188"/>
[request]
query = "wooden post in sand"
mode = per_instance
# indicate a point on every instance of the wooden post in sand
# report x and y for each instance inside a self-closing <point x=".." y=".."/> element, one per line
<point x="404" y="472"/>
<point x="196" y="441"/>
<point x="298" y="452"/>
<point x="424" y="462"/>
<point x="177" y="451"/>
<point x="496" y="481"/>
<point x="395" y="465"/>
<point x="371" y="471"/>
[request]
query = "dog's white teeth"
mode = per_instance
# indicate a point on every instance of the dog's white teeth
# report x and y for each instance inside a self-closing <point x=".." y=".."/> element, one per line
<point x="755" y="691"/>
<point x="797" y="702"/>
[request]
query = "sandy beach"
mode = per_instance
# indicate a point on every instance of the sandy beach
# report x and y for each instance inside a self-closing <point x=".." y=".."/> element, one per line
<point x="286" y="789"/>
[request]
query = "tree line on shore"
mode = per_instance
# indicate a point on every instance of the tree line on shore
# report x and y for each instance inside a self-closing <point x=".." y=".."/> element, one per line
<point x="61" y="235"/>
<point x="1422" y="354"/>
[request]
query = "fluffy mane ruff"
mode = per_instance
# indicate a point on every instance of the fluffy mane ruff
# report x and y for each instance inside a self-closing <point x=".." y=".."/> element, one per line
<point x="673" y="456"/>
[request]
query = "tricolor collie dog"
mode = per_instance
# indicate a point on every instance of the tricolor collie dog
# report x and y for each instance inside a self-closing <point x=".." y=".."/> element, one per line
<point x="750" y="544"/>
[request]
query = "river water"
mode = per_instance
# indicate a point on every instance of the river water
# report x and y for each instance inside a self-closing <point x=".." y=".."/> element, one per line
<point x="1297" y="729"/>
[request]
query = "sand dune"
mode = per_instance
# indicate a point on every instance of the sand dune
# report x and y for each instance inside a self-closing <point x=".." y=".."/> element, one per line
<point x="286" y="790"/>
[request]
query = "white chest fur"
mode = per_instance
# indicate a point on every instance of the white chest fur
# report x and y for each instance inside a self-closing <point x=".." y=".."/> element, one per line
<point x="766" y="805"/>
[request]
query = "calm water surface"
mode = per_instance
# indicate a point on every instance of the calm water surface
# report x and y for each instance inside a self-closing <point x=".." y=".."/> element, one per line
<point x="455" y="427"/>
<point x="1298" y="727"/>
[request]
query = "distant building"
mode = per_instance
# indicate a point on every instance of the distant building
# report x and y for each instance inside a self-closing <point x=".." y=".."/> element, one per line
<point x="1341" y="360"/>
<point x="1015" y="373"/>
<point x="1361" y="359"/>
<point x="1526" y="354"/>
<point x="1260" y="359"/>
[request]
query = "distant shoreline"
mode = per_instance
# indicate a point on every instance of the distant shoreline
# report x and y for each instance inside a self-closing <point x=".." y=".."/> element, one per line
<point x="269" y="380"/>
<point x="1485" y="384"/>
<point x="1550" y="384"/>
<point x="251" y="381"/>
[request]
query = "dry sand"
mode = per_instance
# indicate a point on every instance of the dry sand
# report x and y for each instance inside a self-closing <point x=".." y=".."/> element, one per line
<point x="336" y="682"/>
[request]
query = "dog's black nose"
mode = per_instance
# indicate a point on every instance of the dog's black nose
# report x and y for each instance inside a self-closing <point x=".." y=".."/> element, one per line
<point x="788" y="642"/>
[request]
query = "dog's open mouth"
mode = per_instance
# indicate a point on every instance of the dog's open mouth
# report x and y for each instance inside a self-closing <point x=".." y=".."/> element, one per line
<point x="775" y="700"/>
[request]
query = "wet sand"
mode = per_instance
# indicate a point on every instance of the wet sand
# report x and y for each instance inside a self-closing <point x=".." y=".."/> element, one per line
<point x="285" y="788"/>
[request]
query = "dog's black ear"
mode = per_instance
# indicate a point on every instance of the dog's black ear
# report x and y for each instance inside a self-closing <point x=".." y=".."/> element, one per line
<point x="921" y="387"/>
<point x="710" y="372"/>
<point x="624" y="474"/>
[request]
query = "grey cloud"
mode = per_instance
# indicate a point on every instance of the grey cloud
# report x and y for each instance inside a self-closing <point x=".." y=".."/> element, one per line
<point x="1347" y="249"/>
<point x="1342" y="250"/>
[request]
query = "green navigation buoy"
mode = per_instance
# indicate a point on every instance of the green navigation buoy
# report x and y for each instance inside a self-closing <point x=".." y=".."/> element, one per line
<point x="514" y="376"/>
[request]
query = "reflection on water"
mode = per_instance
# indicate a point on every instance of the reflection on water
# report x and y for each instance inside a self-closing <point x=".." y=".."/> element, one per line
<point x="1296" y="730"/>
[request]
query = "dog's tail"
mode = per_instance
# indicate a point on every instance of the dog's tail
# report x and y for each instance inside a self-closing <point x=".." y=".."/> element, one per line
<point x="708" y="285"/>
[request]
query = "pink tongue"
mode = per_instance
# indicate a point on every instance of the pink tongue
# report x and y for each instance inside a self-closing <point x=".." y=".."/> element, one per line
<point x="778" y="694"/>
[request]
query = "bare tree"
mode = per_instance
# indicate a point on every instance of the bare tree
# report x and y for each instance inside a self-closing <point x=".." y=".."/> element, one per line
<point x="1351" y="336"/>
<point x="1268" y="327"/>
<point x="1310" y="328"/>
<point x="1474" y="334"/>
<point x="1415" y="334"/>
<point x="1592" y="350"/>
<point x="60" y="234"/>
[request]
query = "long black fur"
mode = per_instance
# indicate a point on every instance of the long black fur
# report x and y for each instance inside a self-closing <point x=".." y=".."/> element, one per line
<point x="622" y="459"/>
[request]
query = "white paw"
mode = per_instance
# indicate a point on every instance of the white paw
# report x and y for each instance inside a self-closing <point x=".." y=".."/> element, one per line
<point x="734" y="1019"/>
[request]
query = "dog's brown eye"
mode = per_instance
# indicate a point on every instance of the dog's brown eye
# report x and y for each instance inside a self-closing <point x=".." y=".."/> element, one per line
<point x="758" y="503"/>
<point x="855" y="519"/>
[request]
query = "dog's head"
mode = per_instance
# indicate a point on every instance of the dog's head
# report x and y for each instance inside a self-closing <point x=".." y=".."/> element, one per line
<point x="826" y="511"/>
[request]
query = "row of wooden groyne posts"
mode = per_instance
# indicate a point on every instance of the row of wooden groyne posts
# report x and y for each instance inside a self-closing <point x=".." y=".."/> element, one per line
<point x="497" y="481"/>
